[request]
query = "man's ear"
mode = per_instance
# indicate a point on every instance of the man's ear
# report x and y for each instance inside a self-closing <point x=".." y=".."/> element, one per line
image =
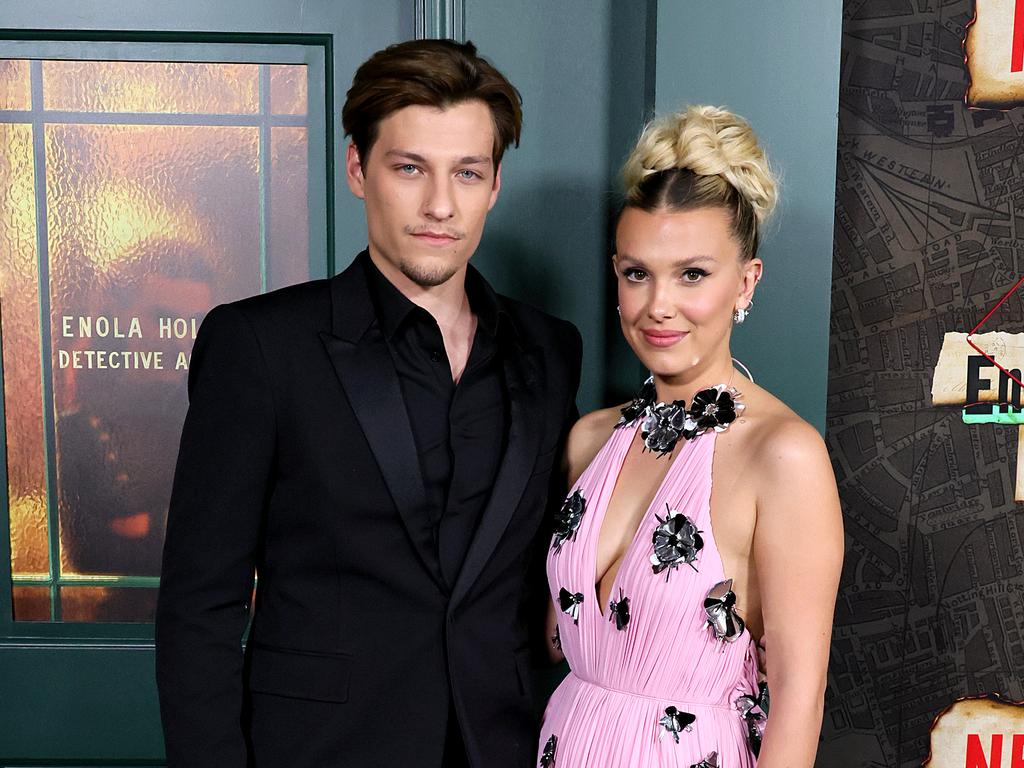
<point x="354" y="171"/>
<point x="496" y="188"/>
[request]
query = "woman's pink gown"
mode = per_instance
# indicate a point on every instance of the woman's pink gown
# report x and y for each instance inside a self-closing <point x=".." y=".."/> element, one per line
<point x="611" y="708"/>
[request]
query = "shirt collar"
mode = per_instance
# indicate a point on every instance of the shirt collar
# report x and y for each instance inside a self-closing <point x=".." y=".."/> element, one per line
<point x="394" y="307"/>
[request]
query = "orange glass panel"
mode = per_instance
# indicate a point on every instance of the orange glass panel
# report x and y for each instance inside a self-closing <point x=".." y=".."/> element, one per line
<point x="151" y="86"/>
<point x="149" y="227"/>
<point x="31" y="604"/>
<point x="289" y="207"/>
<point x="19" y="330"/>
<point x="288" y="89"/>
<point x="107" y="604"/>
<point x="15" y="87"/>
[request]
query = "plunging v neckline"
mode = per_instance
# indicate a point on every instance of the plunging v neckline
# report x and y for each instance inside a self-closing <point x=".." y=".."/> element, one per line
<point x="600" y="514"/>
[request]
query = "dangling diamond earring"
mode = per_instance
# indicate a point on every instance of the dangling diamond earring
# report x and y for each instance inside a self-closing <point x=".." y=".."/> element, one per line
<point x="619" y="309"/>
<point x="741" y="314"/>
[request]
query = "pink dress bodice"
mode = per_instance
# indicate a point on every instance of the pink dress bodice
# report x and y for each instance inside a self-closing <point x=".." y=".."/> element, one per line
<point x="660" y="688"/>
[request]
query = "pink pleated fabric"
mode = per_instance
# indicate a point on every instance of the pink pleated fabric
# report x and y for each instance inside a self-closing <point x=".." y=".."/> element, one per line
<point x="607" y="711"/>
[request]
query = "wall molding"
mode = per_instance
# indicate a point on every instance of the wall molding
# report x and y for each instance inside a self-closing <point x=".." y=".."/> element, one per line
<point x="436" y="19"/>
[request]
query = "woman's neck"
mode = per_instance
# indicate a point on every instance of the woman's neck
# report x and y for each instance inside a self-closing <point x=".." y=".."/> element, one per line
<point x="684" y="385"/>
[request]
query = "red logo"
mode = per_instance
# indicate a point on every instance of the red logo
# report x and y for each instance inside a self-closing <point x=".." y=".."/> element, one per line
<point x="1009" y="293"/>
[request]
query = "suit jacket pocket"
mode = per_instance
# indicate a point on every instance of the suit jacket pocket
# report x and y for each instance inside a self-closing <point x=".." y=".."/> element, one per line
<point x="545" y="461"/>
<point x="524" y="670"/>
<point x="300" y="674"/>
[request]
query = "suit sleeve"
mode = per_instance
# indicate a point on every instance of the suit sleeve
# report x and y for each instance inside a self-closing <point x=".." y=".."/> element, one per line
<point x="537" y="586"/>
<point x="575" y="365"/>
<point x="221" y="485"/>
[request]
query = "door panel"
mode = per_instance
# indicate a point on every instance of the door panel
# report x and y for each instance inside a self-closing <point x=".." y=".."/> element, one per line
<point x="156" y="170"/>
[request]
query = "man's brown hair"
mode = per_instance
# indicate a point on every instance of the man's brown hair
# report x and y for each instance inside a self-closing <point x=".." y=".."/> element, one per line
<point x="432" y="73"/>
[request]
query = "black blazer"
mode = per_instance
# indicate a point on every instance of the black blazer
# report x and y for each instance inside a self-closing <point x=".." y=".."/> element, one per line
<point x="297" y="460"/>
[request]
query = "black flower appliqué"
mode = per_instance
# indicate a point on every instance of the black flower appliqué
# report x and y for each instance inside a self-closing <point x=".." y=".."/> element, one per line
<point x="638" y="407"/>
<point x="711" y="761"/>
<point x="753" y="709"/>
<point x="570" y="603"/>
<point x="567" y="521"/>
<point x="619" y="611"/>
<point x="675" y="721"/>
<point x="547" y="757"/>
<point x="676" y="540"/>
<point x="720" y="607"/>
<point x="713" y="408"/>
<point x="662" y="427"/>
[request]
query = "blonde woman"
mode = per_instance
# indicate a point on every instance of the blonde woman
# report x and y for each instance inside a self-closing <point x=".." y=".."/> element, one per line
<point x="702" y="520"/>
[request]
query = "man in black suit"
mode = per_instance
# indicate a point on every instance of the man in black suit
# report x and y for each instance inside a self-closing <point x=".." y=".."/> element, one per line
<point x="379" y="448"/>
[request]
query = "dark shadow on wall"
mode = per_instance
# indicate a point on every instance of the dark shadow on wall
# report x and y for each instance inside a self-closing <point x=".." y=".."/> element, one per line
<point x="632" y="80"/>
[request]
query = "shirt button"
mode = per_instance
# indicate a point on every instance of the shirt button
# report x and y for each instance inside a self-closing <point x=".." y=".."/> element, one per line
<point x="435" y="356"/>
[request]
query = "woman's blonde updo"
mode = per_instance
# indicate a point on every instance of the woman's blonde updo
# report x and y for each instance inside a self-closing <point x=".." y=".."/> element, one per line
<point x="700" y="158"/>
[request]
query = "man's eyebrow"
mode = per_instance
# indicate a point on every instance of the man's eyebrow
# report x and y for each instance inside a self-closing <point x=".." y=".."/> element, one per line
<point x="402" y="154"/>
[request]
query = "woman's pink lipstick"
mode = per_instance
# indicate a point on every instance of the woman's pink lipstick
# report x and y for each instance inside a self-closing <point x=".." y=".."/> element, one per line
<point x="663" y="338"/>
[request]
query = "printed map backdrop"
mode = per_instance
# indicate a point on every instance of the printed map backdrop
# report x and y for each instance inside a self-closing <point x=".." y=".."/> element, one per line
<point x="929" y="227"/>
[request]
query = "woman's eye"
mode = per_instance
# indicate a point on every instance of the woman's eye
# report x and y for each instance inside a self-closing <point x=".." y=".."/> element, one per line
<point x="634" y="274"/>
<point x="693" y="275"/>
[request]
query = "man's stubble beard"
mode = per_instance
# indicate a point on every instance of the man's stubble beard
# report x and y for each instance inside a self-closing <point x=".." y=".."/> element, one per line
<point x="427" y="277"/>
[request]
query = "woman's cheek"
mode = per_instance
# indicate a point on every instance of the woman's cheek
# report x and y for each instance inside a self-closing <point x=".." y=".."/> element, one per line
<point x="705" y="307"/>
<point x="631" y="302"/>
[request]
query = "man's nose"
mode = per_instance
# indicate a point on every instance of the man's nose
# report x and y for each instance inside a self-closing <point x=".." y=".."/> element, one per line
<point x="440" y="203"/>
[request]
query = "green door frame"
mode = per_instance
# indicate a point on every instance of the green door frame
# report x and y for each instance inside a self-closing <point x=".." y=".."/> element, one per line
<point x="75" y="692"/>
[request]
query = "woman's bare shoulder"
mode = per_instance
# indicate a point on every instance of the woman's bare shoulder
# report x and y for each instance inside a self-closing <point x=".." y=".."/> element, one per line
<point x="586" y="438"/>
<point x="781" y="441"/>
<point x="787" y="458"/>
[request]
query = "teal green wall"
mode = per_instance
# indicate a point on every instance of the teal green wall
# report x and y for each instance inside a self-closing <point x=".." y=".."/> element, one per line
<point x="777" y="64"/>
<point x="580" y="67"/>
<point x="591" y="72"/>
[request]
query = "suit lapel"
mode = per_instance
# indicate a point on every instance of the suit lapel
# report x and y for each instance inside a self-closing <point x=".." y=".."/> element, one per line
<point x="361" y="359"/>
<point x="523" y="377"/>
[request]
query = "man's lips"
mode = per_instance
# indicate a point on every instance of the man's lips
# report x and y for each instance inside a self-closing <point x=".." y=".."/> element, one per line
<point x="435" y="238"/>
<point x="662" y="338"/>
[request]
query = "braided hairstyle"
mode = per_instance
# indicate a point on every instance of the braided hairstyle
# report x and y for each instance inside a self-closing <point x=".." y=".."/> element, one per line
<point x="703" y="157"/>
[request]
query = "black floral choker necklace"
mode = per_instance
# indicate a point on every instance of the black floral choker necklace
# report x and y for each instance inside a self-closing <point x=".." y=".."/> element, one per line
<point x="663" y="424"/>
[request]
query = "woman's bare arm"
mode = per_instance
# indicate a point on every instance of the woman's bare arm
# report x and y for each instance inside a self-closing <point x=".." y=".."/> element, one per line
<point x="798" y="550"/>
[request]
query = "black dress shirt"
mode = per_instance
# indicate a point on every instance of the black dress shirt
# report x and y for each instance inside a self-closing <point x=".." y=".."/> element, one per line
<point x="459" y="428"/>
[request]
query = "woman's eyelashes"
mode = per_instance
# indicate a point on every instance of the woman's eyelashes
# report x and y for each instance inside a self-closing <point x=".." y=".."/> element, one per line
<point x="690" y="276"/>
<point x="634" y="274"/>
<point x="694" y="275"/>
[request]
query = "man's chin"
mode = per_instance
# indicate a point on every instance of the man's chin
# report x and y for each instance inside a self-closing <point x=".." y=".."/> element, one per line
<point x="429" y="273"/>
